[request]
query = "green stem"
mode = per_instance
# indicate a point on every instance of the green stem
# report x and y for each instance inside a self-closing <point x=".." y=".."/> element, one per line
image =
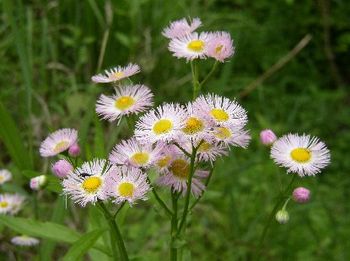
<point x="195" y="82"/>
<point x="161" y="202"/>
<point x="115" y="235"/>
<point x="272" y="214"/>
<point x="173" y="250"/>
<point x="206" y="185"/>
<point x="120" y="208"/>
<point x="188" y="192"/>
<point x="182" y="149"/>
<point x="215" y="65"/>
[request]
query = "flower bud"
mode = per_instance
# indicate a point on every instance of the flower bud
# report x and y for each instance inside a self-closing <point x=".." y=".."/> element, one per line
<point x="301" y="195"/>
<point x="267" y="137"/>
<point x="38" y="182"/>
<point x="282" y="216"/>
<point x="74" y="150"/>
<point x="62" y="168"/>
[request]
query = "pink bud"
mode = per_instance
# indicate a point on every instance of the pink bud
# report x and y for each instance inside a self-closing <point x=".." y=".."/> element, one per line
<point x="267" y="137"/>
<point x="301" y="195"/>
<point x="74" y="150"/>
<point x="62" y="168"/>
<point x="38" y="182"/>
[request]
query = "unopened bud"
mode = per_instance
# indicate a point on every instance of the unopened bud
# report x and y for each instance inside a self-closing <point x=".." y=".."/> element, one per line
<point x="282" y="216"/>
<point x="74" y="150"/>
<point x="267" y="137"/>
<point x="62" y="168"/>
<point x="301" y="195"/>
<point x="38" y="182"/>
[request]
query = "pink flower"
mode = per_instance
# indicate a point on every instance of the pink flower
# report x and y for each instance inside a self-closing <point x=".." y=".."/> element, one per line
<point x="220" y="46"/>
<point x="74" y="150"/>
<point x="181" y="28"/>
<point x="116" y="73"/>
<point x="267" y="137"/>
<point x="62" y="168"/>
<point x="38" y="182"/>
<point x="301" y="195"/>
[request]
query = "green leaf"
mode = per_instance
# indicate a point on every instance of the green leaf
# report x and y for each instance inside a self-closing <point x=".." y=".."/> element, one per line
<point x="81" y="246"/>
<point x="54" y="184"/>
<point x="10" y="136"/>
<point x="36" y="228"/>
<point x="47" y="230"/>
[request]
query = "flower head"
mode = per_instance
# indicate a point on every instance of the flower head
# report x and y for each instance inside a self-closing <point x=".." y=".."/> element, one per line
<point x="127" y="184"/>
<point x="282" y="216"/>
<point x="208" y="150"/>
<point x="11" y="203"/>
<point x="116" y="73"/>
<point x="24" y="240"/>
<point x="87" y="183"/>
<point x="235" y="136"/>
<point x="304" y="155"/>
<point x="58" y="142"/>
<point x="5" y="176"/>
<point x="131" y="152"/>
<point x="220" y="46"/>
<point x="127" y="100"/>
<point x="161" y="124"/>
<point x="74" y="150"/>
<point x="267" y="137"/>
<point x="221" y="110"/>
<point x="62" y="168"/>
<point x="38" y="182"/>
<point x="177" y="175"/>
<point x="181" y="28"/>
<point x="301" y="195"/>
<point x="167" y="155"/>
<point x="192" y="46"/>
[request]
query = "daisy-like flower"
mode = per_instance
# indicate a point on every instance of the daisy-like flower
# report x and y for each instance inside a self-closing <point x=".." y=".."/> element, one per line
<point x="177" y="175"/>
<point x="208" y="150"/>
<point x="116" y="73"/>
<point x="192" y="46"/>
<point x="5" y="176"/>
<point x="11" y="203"/>
<point x="304" y="155"/>
<point x="131" y="152"/>
<point x="161" y="124"/>
<point x="220" y="46"/>
<point x="87" y="183"/>
<point x="181" y="28"/>
<point x="58" y="142"/>
<point x="127" y="184"/>
<point x="168" y="153"/>
<point x="24" y="240"/>
<point x="127" y="99"/>
<point x="196" y="126"/>
<point x="221" y="110"/>
<point x="231" y="136"/>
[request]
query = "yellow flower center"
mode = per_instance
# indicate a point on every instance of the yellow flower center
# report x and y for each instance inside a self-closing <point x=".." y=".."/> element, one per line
<point x="204" y="147"/>
<point x="219" y="114"/>
<point x="163" y="162"/>
<point x="4" y="204"/>
<point x="193" y="125"/>
<point x="300" y="155"/>
<point x="124" y="102"/>
<point x="140" y="158"/>
<point x="1" y="178"/>
<point x="118" y="75"/>
<point x="180" y="168"/>
<point x="218" y="49"/>
<point x="223" y="133"/>
<point x="126" y="189"/>
<point x="162" y="126"/>
<point x="92" y="184"/>
<point x="196" y="45"/>
<point x="61" y="146"/>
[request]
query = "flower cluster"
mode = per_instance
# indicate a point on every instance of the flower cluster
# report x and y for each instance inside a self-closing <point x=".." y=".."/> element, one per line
<point x="188" y="44"/>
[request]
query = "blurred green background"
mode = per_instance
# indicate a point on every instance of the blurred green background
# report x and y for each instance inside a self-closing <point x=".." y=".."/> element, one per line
<point x="50" y="49"/>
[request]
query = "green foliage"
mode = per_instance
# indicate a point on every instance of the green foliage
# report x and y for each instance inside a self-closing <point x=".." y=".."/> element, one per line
<point x="50" y="49"/>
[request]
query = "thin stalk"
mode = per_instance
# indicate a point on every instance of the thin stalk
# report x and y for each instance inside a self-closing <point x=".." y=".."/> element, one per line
<point x="120" y="208"/>
<point x="206" y="185"/>
<point x="195" y="82"/>
<point x="182" y="149"/>
<point x="115" y="235"/>
<point x="215" y="65"/>
<point x="272" y="215"/>
<point x="188" y="192"/>
<point x="173" y="250"/>
<point x="161" y="202"/>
